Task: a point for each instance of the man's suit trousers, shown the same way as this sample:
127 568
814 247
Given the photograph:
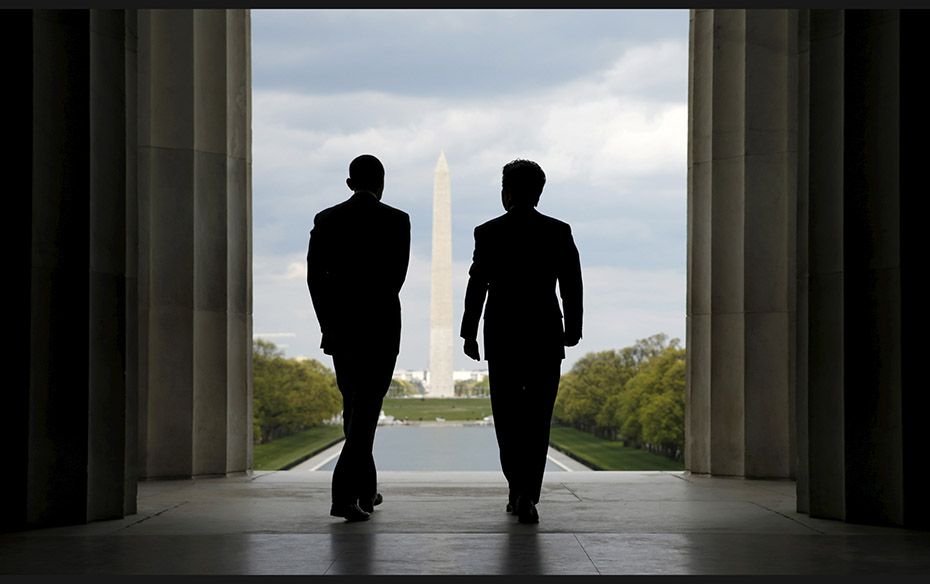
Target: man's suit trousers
523 394
363 381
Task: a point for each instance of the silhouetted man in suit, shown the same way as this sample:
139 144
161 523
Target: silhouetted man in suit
356 264
518 259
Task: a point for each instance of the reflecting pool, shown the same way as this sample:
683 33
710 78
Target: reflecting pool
437 447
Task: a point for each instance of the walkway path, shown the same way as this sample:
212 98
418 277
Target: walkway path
454 523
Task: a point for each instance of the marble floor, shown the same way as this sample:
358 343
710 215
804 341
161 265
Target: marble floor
454 523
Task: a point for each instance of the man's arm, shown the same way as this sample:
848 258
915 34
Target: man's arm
403 254
318 276
570 288
475 293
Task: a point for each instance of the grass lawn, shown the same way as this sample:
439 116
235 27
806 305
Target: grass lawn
285 452
604 454
428 409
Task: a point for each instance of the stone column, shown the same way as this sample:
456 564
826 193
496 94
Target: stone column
802 339
194 152
129 265
915 208
57 470
806 155
166 237
741 243
239 240
106 464
864 377
69 391
823 491
871 267
132 266
700 99
14 432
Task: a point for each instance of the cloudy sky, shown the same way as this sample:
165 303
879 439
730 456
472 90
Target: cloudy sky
597 97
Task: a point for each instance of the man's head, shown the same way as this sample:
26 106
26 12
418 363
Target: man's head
521 184
366 173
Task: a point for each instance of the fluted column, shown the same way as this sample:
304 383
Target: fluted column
239 240
700 122
14 432
741 243
129 256
915 289
70 396
57 471
194 233
131 431
806 162
106 464
872 277
823 491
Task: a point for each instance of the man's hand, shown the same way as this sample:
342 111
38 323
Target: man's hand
471 349
572 340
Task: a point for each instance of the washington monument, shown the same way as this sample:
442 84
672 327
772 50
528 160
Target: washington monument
440 335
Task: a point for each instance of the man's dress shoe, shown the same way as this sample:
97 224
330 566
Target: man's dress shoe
370 507
512 502
350 511
526 511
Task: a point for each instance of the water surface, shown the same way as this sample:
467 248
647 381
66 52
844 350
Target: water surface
439 447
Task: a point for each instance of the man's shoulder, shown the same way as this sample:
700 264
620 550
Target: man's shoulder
345 208
533 220
492 224
506 222
328 212
552 222
393 212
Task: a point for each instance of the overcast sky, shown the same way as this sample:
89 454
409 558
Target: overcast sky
597 97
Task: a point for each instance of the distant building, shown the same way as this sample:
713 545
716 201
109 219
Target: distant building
414 376
470 375
421 377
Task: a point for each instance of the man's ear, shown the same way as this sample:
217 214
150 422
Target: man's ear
506 199
349 184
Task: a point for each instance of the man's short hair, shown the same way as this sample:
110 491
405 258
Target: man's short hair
366 171
524 180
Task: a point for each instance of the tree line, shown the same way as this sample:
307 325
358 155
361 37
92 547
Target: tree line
472 388
404 388
635 394
289 395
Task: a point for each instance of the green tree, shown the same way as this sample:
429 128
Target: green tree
663 424
585 390
472 388
262 349
402 388
644 350
597 395
289 395
652 405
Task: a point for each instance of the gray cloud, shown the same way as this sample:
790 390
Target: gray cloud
449 53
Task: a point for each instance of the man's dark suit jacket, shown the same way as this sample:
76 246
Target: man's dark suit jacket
518 258
356 264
